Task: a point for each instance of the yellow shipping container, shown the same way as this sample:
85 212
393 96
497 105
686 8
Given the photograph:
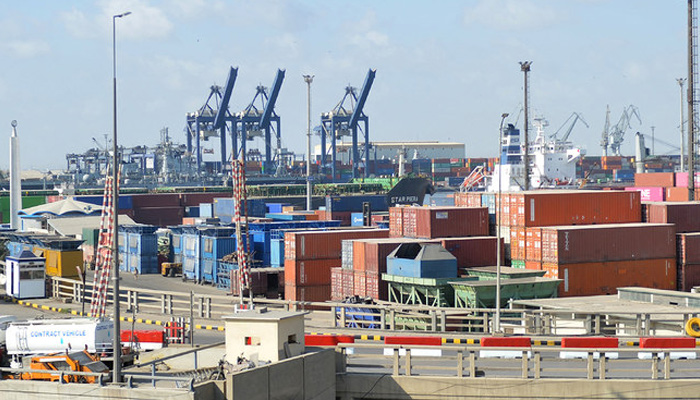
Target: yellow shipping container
61 263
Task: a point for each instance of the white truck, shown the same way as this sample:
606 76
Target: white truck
41 336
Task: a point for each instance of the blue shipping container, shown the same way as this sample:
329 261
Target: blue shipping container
125 202
277 252
206 210
356 219
354 203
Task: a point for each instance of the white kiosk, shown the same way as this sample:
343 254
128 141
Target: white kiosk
26 276
262 335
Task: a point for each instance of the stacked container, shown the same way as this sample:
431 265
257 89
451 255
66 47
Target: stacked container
215 243
138 249
438 222
309 257
688 251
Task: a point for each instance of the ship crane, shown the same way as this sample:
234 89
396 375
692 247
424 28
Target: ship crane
576 117
342 121
261 120
211 120
613 136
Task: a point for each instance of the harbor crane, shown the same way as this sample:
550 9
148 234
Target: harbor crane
261 120
613 136
576 117
212 120
343 120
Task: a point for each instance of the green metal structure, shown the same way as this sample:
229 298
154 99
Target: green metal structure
482 294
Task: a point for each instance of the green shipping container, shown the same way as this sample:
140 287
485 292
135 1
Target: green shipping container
27 202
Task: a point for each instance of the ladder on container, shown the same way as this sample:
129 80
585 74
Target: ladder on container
103 253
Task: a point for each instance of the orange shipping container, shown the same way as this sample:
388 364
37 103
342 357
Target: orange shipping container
588 279
533 244
574 207
651 179
359 283
309 272
307 293
536 265
677 194
312 245
396 221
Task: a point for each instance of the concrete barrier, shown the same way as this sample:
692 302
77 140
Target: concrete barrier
589 343
504 342
667 343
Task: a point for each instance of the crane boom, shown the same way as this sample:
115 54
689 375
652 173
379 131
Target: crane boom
357 112
223 107
270 106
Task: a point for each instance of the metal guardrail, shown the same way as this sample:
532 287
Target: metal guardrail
525 363
388 316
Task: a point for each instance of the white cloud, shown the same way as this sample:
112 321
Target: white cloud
145 22
511 14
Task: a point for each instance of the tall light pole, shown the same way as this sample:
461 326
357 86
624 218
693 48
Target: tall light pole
497 320
525 67
681 81
308 79
117 369
690 98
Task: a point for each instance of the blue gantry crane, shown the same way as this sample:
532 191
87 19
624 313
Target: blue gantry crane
344 120
212 120
262 121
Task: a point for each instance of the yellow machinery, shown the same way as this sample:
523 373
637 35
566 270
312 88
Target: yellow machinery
61 263
79 361
170 269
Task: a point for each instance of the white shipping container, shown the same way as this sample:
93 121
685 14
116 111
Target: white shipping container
52 336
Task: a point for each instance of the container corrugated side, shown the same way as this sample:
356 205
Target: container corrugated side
686 215
615 242
661 179
533 244
396 221
574 207
475 251
310 245
309 272
688 248
588 279
688 276
442 222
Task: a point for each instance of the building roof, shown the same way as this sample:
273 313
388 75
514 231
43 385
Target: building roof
63 207
73 226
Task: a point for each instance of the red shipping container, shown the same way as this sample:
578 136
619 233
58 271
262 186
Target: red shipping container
396 221
376 288
588 279
442 222
614 242
359 283
677 194
660 179
687 248
307 293
348 282
686 215
160 216
688 276
461 199
475 251
311 245
337 288
309 272
474 199
156 200
533 244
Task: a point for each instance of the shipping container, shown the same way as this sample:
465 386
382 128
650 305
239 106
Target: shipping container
613 242
533 244
318 293
660 179
396 221
649 193
533 265
359 283
309 272
311 245
376 287
682 179
159 215
603 278
688 248
337 288
685 215
441 222
370 254
688 277
573 207
353 203
475 251
676 194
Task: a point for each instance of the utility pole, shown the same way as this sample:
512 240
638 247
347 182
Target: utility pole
308 79
691 106
525 67
681 81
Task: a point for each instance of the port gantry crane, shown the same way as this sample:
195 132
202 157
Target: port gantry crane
262 121
212 120
576 117
613 136
342 121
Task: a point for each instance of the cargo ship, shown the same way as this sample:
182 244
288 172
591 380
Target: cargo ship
552 161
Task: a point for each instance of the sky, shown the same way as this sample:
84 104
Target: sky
446 70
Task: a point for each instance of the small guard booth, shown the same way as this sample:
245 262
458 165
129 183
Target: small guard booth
262 335
26 276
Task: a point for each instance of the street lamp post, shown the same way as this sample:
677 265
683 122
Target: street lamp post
497 320
308 79
116 376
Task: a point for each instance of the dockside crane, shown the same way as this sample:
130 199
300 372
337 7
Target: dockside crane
212 120
343 120
261 120
576 117
613 136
